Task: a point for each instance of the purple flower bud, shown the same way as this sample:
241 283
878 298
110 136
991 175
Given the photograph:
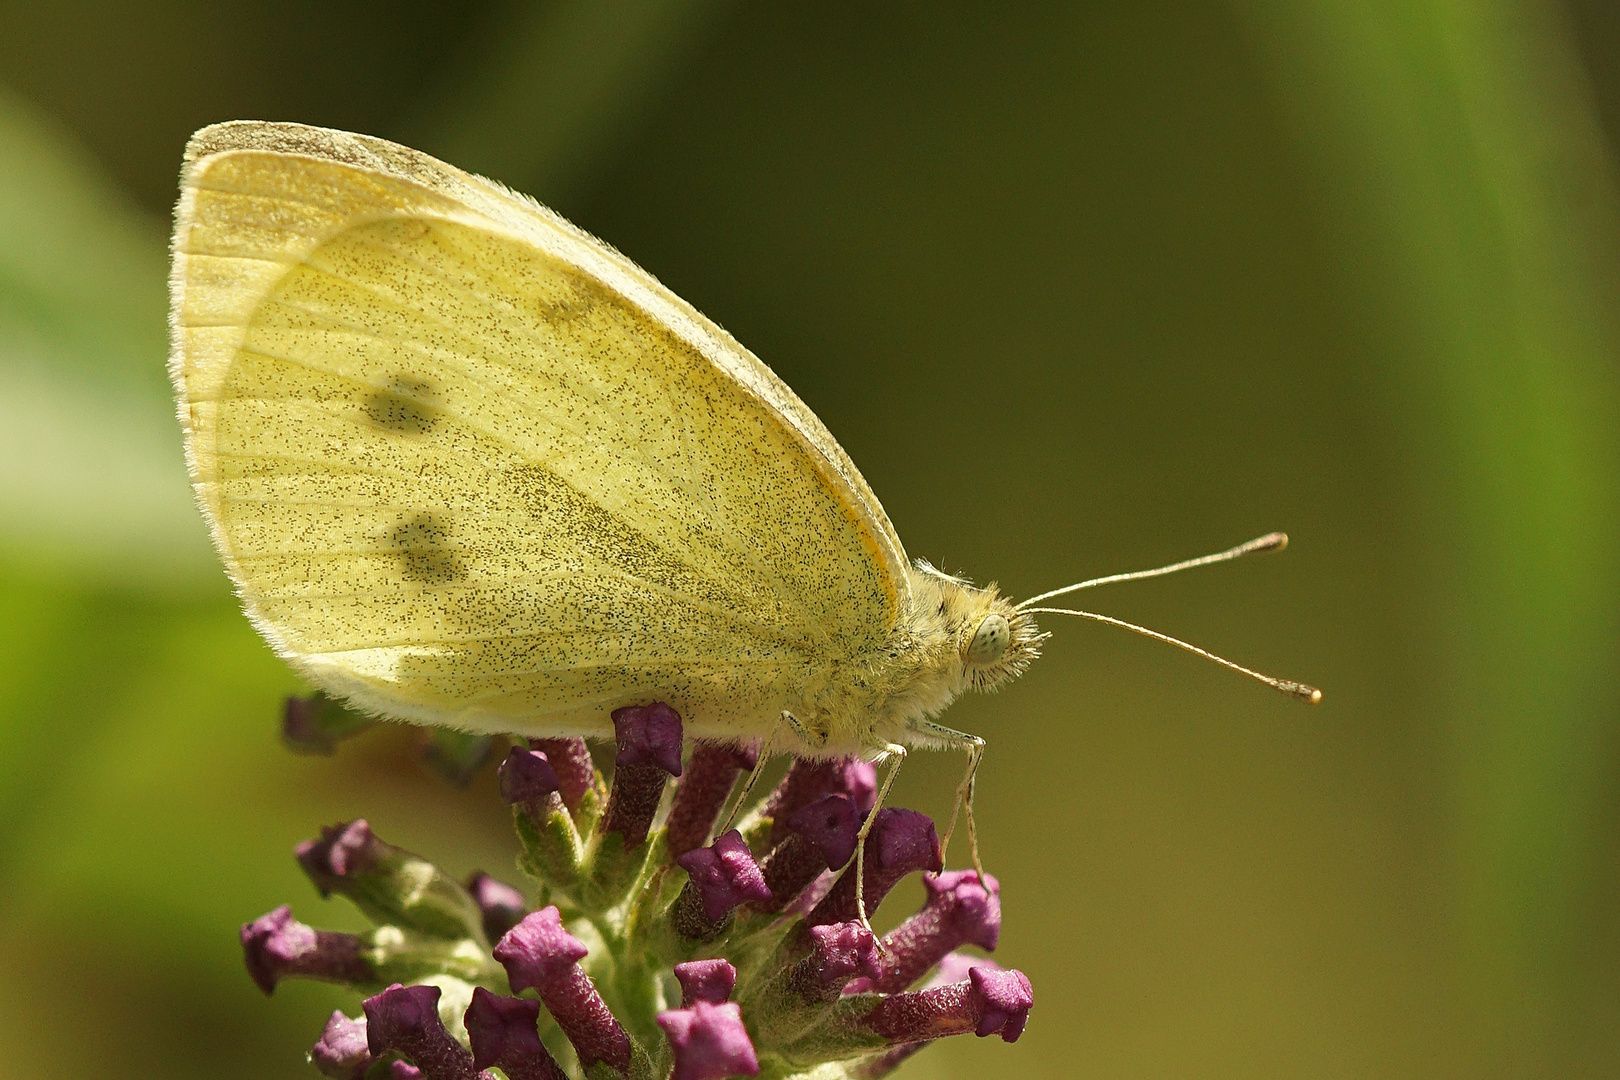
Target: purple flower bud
959 911
456 755
1006 998
342 852
705 980
539 953
875 1068
813 894
973 903
649 739
405 1020
342 1052
808 780
277 946
822 837
725 874
502 905
901 842
504 1032
832 825
633 802
858 780
988 1002
789 868
392 886
648 735
838 953
403 1070
316 724
571 758
954 967
709 1042
527 779
301 727
708 780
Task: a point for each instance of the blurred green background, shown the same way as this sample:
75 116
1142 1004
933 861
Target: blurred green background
1188 272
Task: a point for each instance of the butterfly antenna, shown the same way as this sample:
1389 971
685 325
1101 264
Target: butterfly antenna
1270 542
1293 689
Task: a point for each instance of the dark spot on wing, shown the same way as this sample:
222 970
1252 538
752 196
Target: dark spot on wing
581 297
404 408
423 544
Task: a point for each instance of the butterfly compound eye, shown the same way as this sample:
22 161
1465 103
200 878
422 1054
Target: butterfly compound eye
990 640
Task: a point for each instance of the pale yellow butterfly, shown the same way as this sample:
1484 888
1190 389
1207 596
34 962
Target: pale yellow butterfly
469 466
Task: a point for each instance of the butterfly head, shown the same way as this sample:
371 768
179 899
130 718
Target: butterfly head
994 641
999 643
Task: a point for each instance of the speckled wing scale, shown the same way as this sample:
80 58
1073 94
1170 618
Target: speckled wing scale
469 466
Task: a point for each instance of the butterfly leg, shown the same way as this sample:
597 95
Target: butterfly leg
898 753
753 775
974 748
806 736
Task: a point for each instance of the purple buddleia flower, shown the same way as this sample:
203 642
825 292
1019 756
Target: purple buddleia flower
808 780
538 950
277 946
504 1033
961 910
831 825
649 742
702 791
571 760
901 842
527 779
539 954
953 968
756 932
705 980
405 1020
342 853
648 735
709 1042
988 1002
502 906
391 885
316 724
723 876
822 837
839 952
342 1052
302 728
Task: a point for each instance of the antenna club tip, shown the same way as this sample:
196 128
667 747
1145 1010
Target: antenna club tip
1308 694
1277 541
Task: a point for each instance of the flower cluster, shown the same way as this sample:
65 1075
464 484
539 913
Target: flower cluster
650 949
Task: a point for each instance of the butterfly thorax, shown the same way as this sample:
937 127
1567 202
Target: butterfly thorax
951 637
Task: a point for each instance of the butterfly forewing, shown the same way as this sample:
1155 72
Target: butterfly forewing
467 474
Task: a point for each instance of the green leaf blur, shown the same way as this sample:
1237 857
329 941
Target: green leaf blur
1082 289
